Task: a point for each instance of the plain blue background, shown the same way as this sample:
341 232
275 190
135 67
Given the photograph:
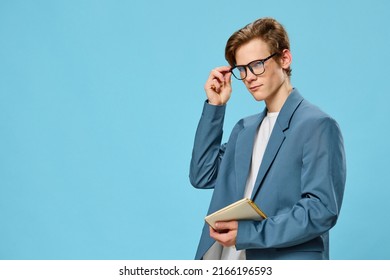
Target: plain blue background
99 102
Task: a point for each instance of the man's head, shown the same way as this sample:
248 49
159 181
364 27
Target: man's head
260 56
268 30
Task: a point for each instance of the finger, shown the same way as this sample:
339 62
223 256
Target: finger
217 235
213 233
228 78
227 239
214 85
223 69
218 85
219 73
230 225
216 76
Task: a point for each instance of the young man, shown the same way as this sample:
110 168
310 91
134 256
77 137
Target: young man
289 159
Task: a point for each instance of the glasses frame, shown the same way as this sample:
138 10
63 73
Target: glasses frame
262 61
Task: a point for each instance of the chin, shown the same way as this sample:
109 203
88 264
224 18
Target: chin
258 99
258 96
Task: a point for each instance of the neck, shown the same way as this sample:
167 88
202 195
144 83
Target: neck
276 101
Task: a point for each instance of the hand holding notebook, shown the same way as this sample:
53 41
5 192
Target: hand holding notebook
244 209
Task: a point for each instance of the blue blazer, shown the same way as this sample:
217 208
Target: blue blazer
299 186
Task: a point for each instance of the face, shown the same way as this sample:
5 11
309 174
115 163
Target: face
271 86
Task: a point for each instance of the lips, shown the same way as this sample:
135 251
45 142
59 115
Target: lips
255 87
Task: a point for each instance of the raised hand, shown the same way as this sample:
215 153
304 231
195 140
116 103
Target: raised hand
218 86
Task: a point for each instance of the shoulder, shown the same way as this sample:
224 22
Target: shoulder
311 114
310 120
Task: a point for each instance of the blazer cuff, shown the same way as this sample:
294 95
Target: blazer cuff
213 111
245 227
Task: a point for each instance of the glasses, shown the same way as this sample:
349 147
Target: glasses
256 67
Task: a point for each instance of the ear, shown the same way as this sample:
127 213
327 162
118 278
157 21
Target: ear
285 59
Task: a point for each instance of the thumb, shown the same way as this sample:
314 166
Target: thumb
228 78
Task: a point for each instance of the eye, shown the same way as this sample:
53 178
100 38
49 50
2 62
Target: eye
241 69
257 64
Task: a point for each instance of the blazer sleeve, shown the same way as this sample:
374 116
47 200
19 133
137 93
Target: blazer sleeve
207 151
323 178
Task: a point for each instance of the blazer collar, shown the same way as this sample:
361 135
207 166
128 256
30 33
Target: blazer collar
288 109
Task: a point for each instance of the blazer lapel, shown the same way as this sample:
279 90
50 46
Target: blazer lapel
277 137
273 146
244 149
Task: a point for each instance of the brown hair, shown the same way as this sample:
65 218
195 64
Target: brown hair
266 29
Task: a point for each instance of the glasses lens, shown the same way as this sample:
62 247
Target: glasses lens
239 73
257 67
